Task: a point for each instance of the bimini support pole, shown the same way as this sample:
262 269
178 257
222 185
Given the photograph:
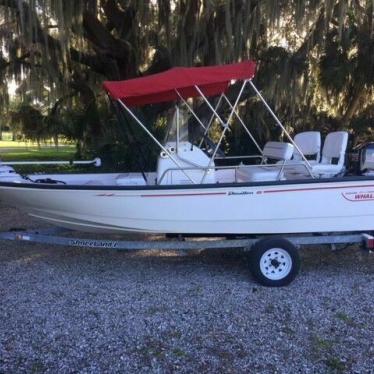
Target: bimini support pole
210 121
226 125
154 139
190 109
178 119
215 113
279 123
243 124
206 129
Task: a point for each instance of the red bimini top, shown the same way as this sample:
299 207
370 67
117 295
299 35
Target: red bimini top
161 87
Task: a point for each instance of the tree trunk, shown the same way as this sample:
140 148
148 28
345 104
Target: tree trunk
94 131
55 140
353 105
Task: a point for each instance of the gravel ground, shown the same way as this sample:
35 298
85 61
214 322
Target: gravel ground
79 310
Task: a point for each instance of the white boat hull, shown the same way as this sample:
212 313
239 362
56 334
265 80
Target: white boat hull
338 206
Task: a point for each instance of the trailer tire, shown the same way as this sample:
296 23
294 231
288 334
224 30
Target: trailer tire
274 262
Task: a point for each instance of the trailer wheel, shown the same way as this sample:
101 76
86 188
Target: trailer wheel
274 262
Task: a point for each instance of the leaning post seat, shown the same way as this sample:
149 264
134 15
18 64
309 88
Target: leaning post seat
192 160
333 155
309 143
268 172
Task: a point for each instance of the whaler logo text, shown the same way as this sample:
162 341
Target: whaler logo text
359 196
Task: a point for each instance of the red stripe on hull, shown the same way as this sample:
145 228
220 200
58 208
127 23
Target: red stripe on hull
316 189
187 194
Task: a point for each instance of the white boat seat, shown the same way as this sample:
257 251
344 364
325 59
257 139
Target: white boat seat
309 143
326 170
333 150
332 160
130 179
94 182
259 174
267 172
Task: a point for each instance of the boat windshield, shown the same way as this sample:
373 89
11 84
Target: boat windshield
177 117
179 121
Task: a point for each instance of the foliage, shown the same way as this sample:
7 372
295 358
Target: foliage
316 62
29 121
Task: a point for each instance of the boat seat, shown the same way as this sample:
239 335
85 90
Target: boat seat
94 182
267 172
309 143
332 160
130 179
333 150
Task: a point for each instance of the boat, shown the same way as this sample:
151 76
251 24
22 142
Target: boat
280 190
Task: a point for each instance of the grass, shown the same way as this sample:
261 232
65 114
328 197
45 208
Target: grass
345 318
17 144
179 352
325 351
322 344
335 365
20 151
17 151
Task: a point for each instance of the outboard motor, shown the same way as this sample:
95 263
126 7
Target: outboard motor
366 157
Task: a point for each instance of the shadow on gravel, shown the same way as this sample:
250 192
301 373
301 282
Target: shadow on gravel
234 261
344 258
96 261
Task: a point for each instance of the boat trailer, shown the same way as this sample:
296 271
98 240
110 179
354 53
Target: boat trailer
273 260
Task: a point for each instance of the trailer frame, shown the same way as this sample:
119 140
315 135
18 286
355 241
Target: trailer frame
274 260
55 236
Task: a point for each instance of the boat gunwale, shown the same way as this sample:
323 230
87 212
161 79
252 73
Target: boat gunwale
93 187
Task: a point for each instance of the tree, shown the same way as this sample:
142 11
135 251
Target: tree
315 57
29 122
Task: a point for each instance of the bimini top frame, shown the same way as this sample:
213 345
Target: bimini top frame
179 84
